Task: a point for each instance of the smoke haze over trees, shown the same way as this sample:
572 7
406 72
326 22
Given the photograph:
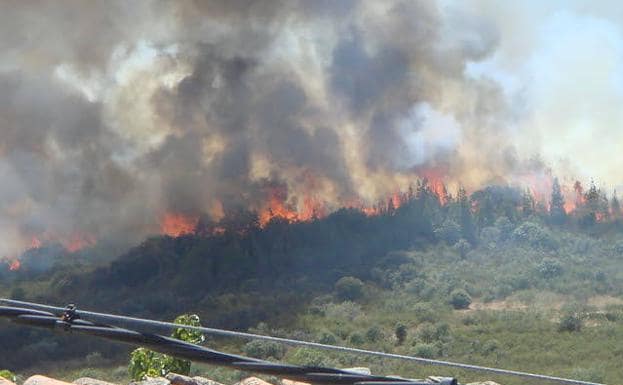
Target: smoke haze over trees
117 115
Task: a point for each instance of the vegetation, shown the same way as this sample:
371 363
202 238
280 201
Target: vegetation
489 279
146 363
460 299
7 374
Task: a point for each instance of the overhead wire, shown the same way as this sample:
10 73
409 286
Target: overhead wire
70 321
140 322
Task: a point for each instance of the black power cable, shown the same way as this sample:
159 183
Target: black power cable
133 323
70 321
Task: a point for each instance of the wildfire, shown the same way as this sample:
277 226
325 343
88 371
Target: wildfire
440 190
176 224
35 243
15 265
78 242
72 242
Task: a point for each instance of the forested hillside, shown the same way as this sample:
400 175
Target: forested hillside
491 278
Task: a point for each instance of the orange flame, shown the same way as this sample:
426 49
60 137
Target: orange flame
78 242
15 265
35 243
176 224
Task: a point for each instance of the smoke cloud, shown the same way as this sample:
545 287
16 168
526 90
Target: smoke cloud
114 113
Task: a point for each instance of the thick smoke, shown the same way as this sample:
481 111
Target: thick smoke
115 113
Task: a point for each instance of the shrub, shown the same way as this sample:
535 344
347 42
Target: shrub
327 338
349 288
505 226
549 268
430 333
592 374
459 299
146 363
426 333
94 359
570 322
345 311
424 312
356 339
374 334
489 347
462 247
534 235
8 375
264 349
310 357
425 351
401 333
490 236
449 231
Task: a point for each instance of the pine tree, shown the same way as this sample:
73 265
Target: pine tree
615 207
591 208
527 204
467 223
557 211
486 211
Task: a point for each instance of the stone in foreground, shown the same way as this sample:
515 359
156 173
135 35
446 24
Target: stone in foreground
42 380
4 381
178 379
91 381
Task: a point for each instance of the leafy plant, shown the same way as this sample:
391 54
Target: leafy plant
349 288
8 375
460 299
264 349
570 322
401 332
146 363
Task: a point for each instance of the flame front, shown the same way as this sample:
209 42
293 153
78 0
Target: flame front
15 265
176 224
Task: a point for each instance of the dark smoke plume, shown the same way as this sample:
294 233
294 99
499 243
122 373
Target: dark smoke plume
114 113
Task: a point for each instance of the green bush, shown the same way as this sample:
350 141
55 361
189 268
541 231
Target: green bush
534 235
310 357
374 334
425 351
424 312
349 288
356 339
570 322
7 374
549 268
146 363
264 349
588 374
460 299
401 333
449 231
327 338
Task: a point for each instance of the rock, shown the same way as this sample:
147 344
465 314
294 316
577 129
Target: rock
4 381
91 381
42 380
290 382
178 379
253 381
205 381
152 381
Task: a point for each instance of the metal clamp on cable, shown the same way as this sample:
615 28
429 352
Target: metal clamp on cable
69 315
